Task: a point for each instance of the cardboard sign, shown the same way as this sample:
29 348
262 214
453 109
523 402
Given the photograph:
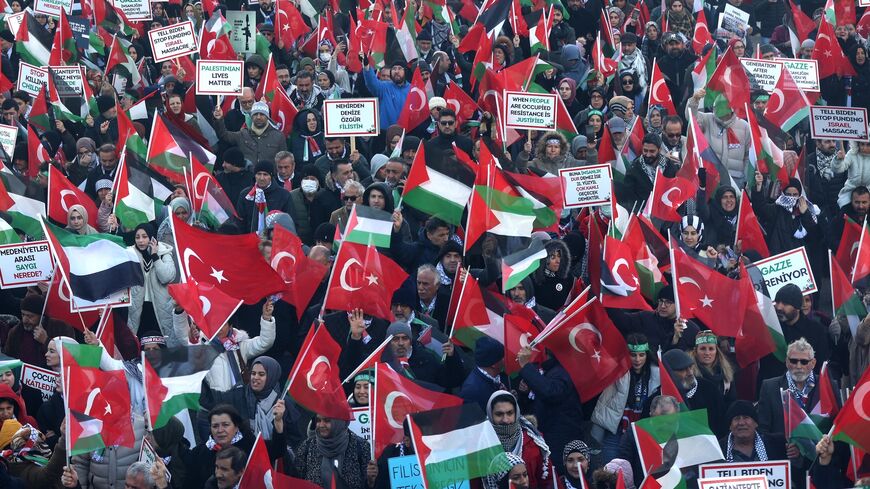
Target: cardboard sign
530 111
585 185
8 136
763 74
219 77
361 424
147 453
31 79
805 72
775 471
118 299
40 379
791 267
351 117
405 472
734 20
752 482
172 41
13 22
841 123
244 30
68 80
135 10
24 264
79 28
52 7
864 3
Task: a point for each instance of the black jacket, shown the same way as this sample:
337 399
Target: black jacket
277 199
770 413
815 334
658 330
637 186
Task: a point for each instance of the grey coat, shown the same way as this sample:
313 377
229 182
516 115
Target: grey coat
157 280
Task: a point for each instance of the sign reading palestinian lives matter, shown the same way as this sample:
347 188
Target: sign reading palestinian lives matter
805 72
40 379
841 123
69 81
24 264
135 10
243 29
52 7
791 267
172 41
530 111
351 117
585 185
219 77
361 424
734 20
750 482
763 74
31 79
777 472
8 136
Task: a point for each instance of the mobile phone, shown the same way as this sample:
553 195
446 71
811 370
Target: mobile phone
590 132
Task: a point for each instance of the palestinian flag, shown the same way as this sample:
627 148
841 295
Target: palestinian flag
212 205
38 116
846 301
94 265
651 255
33 42
406 31
455 444
10 364
84 434
828 405
695 440
539 33
24 211
139 196
110 18
64 50
175 382
369 226
799 428
517 266
545 194
438 187
7 234
760 333
71 105
731 82
169 150
120 58
475 312
703 71
851 424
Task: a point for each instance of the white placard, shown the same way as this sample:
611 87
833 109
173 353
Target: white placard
751 482
361 424
172 41
864 3
791 267
120 298
805 73
219 77
40 379
351 117
734 20
585 185
13 21
69 81
841 123
530 111
244 28
763 74
52 7
8 136
776 471
135 10
24 264
31 78
147 453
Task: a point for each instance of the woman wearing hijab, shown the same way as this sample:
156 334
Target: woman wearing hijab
169 443
333 451
180 206
515 476
150 303
307 142
568 92
722 219
575 456
692 238
77 220
655 119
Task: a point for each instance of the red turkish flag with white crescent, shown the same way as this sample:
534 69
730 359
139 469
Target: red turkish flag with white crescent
62 195
314 381
659 93
416 109
363 279
301 274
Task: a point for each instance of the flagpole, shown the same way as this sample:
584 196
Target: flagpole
458 303
184 272
546 334
122 161
830 267
674 274
145 389
373 397
65 380
377 350
740 211
860 245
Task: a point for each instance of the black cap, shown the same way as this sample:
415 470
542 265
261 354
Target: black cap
677 359
628 37
741 408
790 294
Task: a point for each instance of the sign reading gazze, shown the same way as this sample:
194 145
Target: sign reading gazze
531 111
791 267
219 77
351 117
841 123
172 41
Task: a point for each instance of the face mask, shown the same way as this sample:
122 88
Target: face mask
325 57
309 186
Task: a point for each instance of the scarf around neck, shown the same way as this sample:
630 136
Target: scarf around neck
760 451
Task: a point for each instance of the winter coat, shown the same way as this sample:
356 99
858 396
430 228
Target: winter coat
733 155
857 168
352 472
277 199
478 388
255 148
659 330
611 403
391 97
551 290
33 475
300 142
157 282
781 225
200 460
557 405
719 227
637 185
111 470
821 191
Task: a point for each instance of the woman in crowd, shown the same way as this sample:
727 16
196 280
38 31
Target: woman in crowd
77 220
226 427
713 365
150 304
307 139
362 384
333 451
576 460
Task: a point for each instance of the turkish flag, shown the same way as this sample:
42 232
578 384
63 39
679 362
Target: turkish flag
301 275
233 263
283 111
701 36
786 101
591 349
396 396
103 395
314 381
749 232
849 241
460 102
829 54
206 304
289 24
659 93
731 80
36 154
518 332
416 108
668 195
57 305
620 283
62 195
363 279
259 473
853 422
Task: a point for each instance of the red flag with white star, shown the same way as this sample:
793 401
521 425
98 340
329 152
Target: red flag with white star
829 54
363 279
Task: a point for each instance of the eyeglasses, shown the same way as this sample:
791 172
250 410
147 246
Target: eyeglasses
350 198
665 302
446 123
627 82
795 361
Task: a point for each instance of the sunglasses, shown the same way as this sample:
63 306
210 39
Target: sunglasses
446 123
795 361
349 198
627 82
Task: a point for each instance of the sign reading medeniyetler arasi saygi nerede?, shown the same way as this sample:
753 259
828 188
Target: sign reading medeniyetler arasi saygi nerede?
530 111
219 77
351 117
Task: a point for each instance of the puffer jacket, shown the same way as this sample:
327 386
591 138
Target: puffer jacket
255 148
733 155
111 469
157 282
857 166
611 403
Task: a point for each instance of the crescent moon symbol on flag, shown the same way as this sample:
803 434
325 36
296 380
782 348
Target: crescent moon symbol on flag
388 408
312 372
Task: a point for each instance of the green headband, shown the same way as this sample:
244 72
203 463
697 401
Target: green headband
364 376
706 339
643 347
594 112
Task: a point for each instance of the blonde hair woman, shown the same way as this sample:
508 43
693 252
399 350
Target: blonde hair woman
713 365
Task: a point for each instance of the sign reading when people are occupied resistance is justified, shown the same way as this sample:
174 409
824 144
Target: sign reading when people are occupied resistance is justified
25 264
351 117
172 41
530 111
585 185
791 267
776 471
219 77
840 123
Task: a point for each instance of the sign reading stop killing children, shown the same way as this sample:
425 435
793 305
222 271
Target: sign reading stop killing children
172 41
530 111
791 267
840 123
25 264
219 77
351 117
586 185
31 79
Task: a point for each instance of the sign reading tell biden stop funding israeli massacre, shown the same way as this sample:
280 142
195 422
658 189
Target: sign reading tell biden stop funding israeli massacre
219 77
351 117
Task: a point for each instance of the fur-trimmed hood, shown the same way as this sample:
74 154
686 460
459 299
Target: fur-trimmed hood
564 265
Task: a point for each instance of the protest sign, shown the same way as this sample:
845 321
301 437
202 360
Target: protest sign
52 7
791 267
585 185
8 136
763 74
864 3
147 453
531 111
361 424
840 123
69 81
120 298
751 482
40 379
244 28
79 28
351 117
31 79
219 77
172 41
13 22
24 264
805 72
135 10
734 20
405 473
775 471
